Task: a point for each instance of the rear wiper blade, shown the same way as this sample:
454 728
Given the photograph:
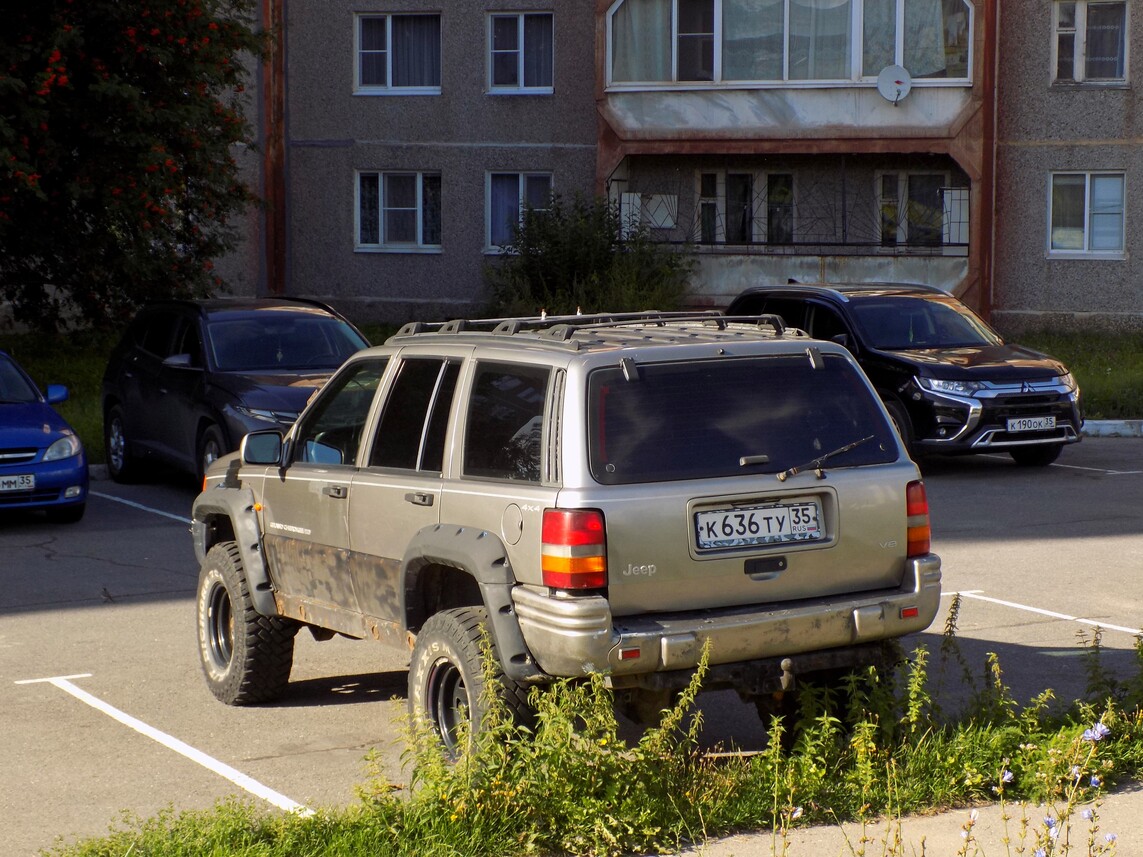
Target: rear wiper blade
816 464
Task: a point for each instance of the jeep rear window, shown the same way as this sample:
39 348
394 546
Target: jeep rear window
731 417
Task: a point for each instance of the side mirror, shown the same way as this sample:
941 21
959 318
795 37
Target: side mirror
56 393
179 361
262 447
841 339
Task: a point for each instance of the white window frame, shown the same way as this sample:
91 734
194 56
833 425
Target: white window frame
902 177
521 201
382 245
521 51
856 54
388 88
760 218
1079 47
1086 251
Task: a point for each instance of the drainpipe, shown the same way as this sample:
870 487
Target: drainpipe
273 141
990 69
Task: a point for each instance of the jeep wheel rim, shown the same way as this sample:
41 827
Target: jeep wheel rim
220 627
448 702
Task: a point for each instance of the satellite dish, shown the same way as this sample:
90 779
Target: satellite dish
894 83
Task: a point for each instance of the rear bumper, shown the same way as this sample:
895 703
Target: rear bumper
575 637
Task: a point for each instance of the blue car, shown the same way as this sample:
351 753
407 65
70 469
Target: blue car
42 461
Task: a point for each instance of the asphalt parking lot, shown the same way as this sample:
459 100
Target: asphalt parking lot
103 709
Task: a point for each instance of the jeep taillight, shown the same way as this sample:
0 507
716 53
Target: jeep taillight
574 550
917 508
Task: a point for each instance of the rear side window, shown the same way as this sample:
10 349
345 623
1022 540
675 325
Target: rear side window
411 433
505 422
729 417
156 333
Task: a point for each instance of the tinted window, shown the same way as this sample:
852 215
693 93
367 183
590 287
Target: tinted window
904 322
156 332
412 429
14 387
695 420
331 432
505 422
278 339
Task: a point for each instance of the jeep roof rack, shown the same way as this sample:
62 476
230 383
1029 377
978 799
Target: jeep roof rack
563 328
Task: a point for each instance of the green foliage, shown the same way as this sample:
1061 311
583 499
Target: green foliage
571 257
1108 367
865 748
119 120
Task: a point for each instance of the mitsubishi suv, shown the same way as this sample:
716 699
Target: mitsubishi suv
591 494
948 380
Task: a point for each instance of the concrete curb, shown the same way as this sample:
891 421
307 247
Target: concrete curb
1113 428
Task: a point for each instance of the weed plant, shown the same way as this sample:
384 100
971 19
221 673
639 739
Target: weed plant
875 746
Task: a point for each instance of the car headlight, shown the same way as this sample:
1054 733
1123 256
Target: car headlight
1068 381
65 447
955 388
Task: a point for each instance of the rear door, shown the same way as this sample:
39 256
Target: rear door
397 491
140 377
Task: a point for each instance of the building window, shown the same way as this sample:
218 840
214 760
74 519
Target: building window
745 208
1090 44
929 38
1087 213
520 52
780 208
912 210
772 41
399 54
509 195
399 211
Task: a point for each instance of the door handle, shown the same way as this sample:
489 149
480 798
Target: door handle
419 498
339 492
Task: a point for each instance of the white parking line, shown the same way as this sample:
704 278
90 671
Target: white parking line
223 770
135 505
1052 614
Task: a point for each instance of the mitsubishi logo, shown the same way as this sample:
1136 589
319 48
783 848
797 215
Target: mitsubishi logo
1025 387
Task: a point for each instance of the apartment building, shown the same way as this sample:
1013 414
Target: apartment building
403 138
987 151
1069 250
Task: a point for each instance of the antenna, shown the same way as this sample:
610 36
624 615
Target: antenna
894 83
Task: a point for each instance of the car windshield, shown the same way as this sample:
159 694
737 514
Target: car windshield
733 417
276 341
14 387
899 322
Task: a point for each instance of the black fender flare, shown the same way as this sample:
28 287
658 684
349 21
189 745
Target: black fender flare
481 554
237 506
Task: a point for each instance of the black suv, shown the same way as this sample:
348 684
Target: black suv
948 380
189 378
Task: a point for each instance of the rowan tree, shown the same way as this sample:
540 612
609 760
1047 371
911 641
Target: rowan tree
120 121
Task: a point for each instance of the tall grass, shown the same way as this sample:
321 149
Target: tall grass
873 746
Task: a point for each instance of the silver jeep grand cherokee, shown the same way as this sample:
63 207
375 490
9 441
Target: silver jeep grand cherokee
597 493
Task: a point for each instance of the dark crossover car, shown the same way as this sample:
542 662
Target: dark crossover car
190 378
948 380
42 462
